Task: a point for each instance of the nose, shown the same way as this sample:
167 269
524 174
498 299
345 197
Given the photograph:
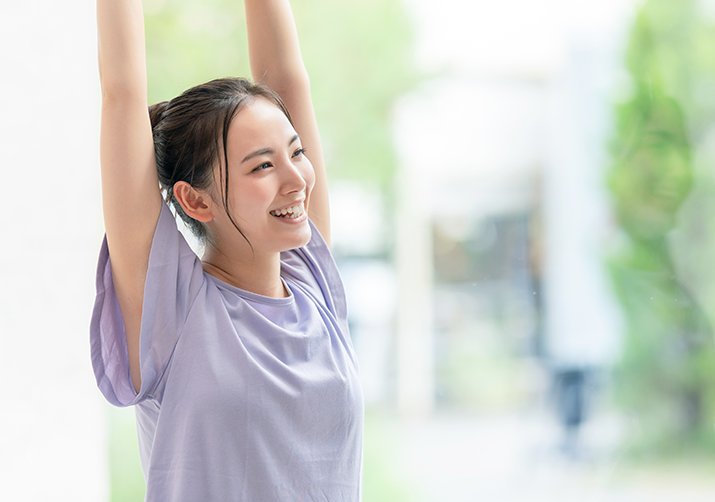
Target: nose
292 179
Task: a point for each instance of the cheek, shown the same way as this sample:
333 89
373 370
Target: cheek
246 201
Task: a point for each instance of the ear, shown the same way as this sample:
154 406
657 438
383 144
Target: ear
196 204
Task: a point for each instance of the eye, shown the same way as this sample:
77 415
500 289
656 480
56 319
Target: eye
299 152
262 167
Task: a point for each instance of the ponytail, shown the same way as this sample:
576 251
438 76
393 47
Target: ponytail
156 113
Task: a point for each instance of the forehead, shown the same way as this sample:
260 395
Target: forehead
258 124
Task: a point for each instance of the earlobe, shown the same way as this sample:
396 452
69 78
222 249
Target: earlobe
195 204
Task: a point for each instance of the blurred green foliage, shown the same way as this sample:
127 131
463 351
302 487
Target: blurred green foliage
384 478
126 478
661 181
358 55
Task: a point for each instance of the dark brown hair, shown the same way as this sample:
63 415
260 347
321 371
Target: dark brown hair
190 134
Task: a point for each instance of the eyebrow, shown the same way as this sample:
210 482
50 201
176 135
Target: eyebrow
268 151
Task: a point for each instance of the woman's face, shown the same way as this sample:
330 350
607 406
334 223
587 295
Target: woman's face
270 180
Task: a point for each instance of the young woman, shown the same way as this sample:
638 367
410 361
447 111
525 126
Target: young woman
239 363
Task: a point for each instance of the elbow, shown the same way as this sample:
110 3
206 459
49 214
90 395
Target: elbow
121 95
285 79
116 86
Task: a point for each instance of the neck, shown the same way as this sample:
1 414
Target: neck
258 274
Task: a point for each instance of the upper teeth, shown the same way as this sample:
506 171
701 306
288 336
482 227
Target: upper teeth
289 212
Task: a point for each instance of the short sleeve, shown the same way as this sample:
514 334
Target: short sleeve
174 280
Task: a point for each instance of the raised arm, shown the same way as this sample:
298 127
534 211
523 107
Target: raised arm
276 61
130 187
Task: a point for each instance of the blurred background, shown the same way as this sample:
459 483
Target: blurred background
523 195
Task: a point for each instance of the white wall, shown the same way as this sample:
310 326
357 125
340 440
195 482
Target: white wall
52 428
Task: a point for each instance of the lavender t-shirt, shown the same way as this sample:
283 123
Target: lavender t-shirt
243 397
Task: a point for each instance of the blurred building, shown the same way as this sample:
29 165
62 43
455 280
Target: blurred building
502 214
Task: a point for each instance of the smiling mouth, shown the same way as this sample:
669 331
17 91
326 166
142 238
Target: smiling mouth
289 212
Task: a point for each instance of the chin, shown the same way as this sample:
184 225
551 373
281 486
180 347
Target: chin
300 238
307 233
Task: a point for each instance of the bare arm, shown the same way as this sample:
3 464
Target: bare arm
130 193
276 60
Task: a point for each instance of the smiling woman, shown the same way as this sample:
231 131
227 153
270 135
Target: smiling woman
240 362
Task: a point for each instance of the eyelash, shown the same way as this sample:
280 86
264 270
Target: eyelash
266 165
263 166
